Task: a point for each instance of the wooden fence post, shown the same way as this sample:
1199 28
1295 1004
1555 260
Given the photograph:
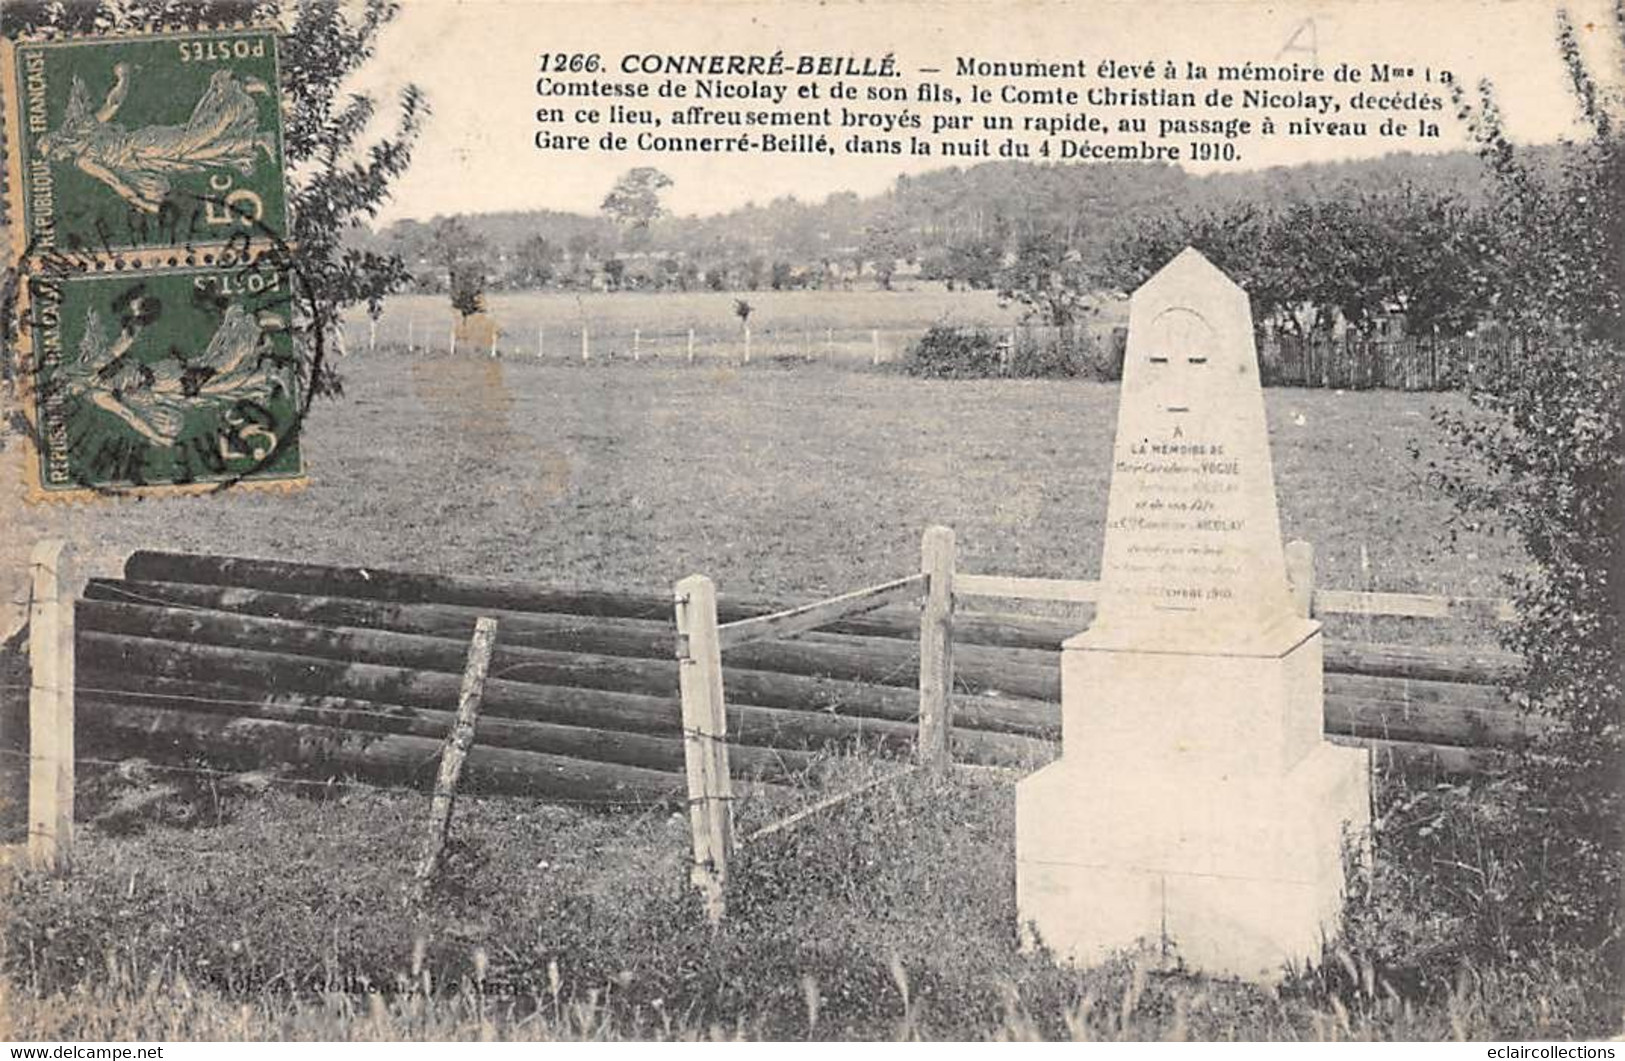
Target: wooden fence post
1300 573
458 743
586 351
637 344
705 734
541 335
50 707
411 334
874 340
747 344
372 333
691 346
937 650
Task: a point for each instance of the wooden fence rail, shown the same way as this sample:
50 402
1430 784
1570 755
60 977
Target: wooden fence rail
1322 601
353 671
700 641
1072 591
793 621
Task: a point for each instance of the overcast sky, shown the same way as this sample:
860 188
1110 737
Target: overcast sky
476 60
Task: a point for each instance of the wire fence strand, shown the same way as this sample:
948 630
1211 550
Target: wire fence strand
331 782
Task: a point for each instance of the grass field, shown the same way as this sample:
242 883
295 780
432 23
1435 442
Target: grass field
772 480
284 916
893 917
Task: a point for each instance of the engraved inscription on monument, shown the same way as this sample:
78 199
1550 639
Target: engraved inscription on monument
1192 538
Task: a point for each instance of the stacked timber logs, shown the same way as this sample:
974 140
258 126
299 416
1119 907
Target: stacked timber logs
355 670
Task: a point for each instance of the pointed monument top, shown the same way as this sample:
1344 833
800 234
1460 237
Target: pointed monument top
1193 544
1191 277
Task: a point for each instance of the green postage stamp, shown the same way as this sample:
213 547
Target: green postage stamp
146 142
179 378
148 214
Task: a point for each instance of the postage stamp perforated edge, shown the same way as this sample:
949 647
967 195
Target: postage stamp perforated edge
11 149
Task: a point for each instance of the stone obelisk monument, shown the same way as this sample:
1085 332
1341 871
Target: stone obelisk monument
1197 806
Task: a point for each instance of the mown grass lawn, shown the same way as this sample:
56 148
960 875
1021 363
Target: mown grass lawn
771 479
223 915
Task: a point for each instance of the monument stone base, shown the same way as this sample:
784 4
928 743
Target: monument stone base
1191 823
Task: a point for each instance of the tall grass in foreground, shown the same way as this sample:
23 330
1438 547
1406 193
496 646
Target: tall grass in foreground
1144 1009
891 916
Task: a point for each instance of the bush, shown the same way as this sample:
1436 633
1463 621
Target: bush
1541 456
954 353
1044 358
946 352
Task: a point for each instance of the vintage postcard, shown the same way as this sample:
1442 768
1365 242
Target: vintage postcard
908 520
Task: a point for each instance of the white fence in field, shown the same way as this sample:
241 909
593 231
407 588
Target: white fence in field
596 341
584 342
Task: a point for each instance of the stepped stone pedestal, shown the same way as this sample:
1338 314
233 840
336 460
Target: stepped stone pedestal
1197 807
1216 835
